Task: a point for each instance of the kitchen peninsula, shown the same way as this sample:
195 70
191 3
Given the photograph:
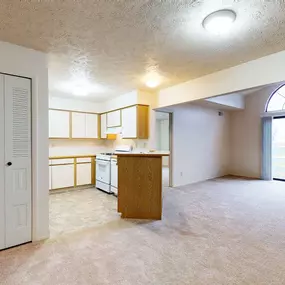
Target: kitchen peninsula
140 185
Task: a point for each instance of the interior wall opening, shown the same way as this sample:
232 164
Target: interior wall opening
163 143
278 148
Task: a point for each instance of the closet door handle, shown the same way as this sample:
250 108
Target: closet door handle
9 163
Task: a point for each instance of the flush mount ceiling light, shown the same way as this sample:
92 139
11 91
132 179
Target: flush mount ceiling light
219 22
152 83
81 87
152 80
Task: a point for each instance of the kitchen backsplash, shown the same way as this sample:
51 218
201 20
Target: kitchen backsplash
80 147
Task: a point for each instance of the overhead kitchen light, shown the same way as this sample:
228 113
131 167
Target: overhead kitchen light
219 22
152 79
81 87
152 83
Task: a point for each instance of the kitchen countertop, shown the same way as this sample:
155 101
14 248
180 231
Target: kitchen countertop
72 156
144 154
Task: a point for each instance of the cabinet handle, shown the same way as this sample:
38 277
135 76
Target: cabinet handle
9 163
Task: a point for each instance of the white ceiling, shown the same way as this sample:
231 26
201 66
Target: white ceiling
116 43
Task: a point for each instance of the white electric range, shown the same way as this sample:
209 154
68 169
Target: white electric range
107 170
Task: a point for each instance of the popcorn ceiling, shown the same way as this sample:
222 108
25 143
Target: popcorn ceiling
115 43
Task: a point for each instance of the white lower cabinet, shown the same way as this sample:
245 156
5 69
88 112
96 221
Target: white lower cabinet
83 174
49 180
62 176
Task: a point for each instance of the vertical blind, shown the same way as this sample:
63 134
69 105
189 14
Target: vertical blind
266 171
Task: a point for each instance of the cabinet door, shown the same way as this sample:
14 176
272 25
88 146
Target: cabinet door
114 119
62 176
91 126
83 174
78 125
129 122
103 126
58 124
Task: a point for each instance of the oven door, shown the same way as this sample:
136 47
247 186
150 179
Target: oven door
103 173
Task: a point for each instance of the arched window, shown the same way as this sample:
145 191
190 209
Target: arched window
276 101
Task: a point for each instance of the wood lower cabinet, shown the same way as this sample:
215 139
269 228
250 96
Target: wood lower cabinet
140 186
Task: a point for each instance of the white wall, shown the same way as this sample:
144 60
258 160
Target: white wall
29 63
75 104
245 135
236 101
78 147
121 101
162 138
200 144
263 71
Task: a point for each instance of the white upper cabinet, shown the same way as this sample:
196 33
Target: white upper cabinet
103 126
129 122
84 125
78 125
58 124
114 119
92 126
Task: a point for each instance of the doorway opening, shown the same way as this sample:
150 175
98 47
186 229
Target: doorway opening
273 138
278 148
164 144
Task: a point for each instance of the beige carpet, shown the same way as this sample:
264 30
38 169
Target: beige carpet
218 232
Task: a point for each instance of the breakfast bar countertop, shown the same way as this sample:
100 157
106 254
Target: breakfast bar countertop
144 154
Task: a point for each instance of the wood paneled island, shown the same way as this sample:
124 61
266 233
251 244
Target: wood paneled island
140 185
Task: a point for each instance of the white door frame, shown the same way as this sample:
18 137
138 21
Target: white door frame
170 145
267 169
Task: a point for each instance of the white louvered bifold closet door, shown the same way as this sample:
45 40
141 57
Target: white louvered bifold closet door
2 165
17 109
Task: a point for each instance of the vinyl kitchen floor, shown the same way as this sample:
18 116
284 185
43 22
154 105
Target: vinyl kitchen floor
80 209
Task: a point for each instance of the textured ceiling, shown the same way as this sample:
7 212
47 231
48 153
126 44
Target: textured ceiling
115 42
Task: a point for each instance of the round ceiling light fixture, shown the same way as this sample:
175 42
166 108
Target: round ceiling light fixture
219 22
152 83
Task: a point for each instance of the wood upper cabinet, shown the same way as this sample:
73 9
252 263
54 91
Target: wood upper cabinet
135 122
84 125
59 124
114 119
